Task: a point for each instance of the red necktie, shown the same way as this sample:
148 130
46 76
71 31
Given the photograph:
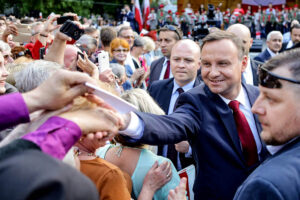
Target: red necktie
245 134
167 73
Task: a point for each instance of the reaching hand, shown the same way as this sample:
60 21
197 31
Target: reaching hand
179 192
57 91
88 66
182 147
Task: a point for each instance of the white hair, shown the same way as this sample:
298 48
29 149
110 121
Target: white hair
34 74
117 69
274 33
87 41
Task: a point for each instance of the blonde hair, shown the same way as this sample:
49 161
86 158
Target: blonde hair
149 44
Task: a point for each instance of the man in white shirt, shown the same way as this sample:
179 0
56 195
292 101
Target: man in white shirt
160 68
185 62
216 131
274 44
295 37
278 109
250 74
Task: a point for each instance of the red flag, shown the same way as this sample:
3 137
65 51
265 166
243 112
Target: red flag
146 5
138 14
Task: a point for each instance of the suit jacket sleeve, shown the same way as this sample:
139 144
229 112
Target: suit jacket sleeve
173 128
258 189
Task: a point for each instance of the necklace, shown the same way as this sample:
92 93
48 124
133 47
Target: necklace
79 152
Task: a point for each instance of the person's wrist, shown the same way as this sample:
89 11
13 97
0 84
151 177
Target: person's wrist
126 120
32 101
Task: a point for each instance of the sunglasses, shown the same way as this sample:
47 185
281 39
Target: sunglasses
172 28
128 37
270 80
26 53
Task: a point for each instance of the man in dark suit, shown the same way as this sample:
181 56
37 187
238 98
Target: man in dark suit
216 119
278 109
166 92
160 68
250 74
295 38
274 44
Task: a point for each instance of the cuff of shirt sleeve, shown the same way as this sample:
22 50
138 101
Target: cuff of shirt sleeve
56 136
189 153
135 128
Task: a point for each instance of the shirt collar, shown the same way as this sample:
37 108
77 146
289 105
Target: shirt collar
271 52
187 87
240 98
165 61
274 149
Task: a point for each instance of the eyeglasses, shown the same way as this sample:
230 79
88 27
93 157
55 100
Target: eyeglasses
128 37
173 28
270 80
121 50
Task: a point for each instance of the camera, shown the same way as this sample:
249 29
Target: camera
71 29
63 19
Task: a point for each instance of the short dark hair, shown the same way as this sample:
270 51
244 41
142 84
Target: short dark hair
107 35
297 26
289 59
170 28
222 35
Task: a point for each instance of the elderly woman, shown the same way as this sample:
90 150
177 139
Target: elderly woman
119 49
140 158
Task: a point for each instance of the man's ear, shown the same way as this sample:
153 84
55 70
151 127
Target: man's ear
244 63
251 42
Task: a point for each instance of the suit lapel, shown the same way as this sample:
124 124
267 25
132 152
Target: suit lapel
167 93
254 72
227 119
252 95
158 68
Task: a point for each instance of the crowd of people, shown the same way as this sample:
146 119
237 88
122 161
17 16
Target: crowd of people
206 106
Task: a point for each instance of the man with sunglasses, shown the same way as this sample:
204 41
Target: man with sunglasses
167 38
278 109
215 118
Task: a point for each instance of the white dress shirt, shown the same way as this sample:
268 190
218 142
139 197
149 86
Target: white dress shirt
175 93
245 107
271 52
163 70
135 128
247 74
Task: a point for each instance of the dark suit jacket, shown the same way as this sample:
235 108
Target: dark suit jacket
276 178
161 92
207 122
263 56
28 173
156 67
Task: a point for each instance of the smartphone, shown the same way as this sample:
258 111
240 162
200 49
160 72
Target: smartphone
103 60
71 29
82 57
63 19
42 52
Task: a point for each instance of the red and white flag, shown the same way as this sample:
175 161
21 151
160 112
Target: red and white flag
138 14
146 6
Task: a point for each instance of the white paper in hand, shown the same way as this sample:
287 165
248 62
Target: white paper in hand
116 102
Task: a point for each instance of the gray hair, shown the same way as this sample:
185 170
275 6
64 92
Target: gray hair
117 69
86 41
34 74
142 100
4 47
274 33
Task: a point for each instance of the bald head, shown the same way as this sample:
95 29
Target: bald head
70 57
185 61
187 44
243 33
